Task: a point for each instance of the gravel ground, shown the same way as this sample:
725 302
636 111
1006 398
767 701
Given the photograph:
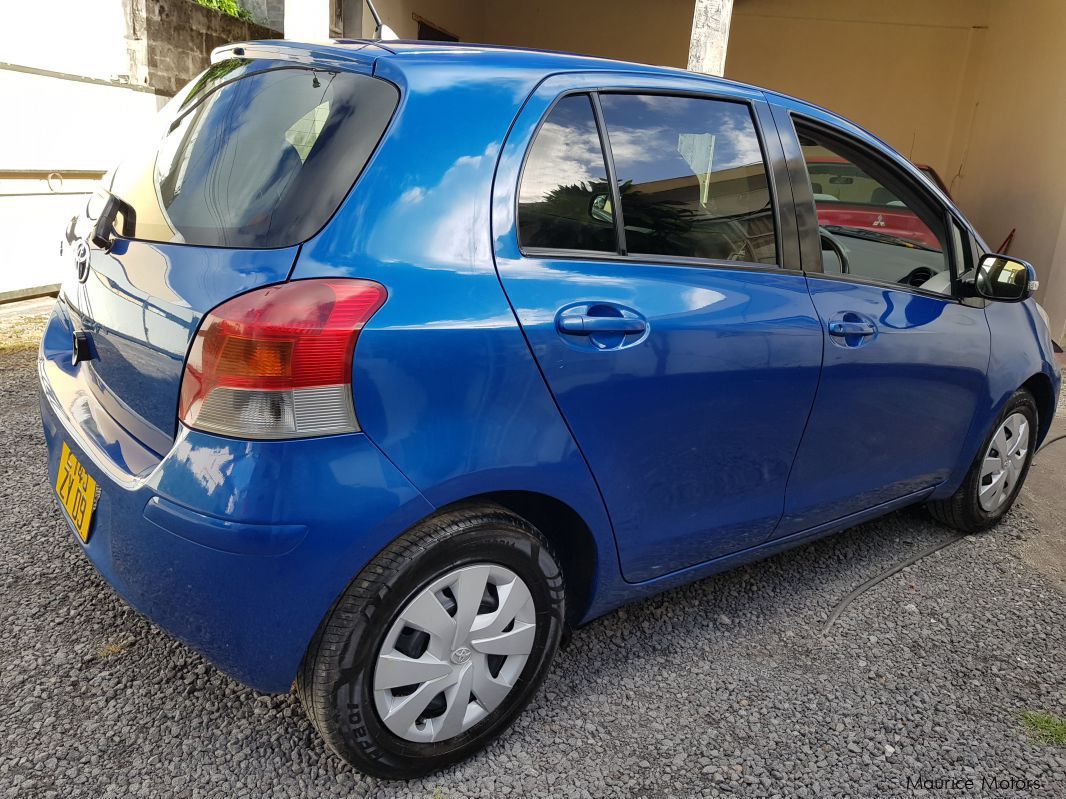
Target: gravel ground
726 687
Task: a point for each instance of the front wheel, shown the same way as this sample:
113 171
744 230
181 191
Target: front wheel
996 476
437 645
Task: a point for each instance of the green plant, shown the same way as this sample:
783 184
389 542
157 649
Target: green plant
231 7
1044 727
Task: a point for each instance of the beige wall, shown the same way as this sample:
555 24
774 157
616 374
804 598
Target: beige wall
462 18
635 30
976 88
1011 157
896 68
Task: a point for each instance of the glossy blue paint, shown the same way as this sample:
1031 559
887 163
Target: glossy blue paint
239 570
733 425
1021 351
670 419
226 535
141 304
893 408
443 381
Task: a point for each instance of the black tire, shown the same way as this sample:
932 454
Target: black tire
335 679
963 509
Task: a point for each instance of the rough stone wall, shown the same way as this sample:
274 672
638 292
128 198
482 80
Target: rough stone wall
136 43
270 13
180 36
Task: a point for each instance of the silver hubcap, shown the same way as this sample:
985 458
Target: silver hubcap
1003 462
454 653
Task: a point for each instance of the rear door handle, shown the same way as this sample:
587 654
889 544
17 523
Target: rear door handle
585 325
839 328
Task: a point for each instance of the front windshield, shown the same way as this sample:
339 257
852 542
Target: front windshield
835 180
852 202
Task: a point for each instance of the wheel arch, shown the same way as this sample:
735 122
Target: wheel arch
568 533
1039 385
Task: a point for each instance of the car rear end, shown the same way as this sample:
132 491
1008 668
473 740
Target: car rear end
197 403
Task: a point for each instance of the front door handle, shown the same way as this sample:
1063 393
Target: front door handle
585 325
842 328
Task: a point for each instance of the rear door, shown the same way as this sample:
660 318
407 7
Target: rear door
905 359
249 160
656 283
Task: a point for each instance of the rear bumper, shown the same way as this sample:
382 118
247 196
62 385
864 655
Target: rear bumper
237 548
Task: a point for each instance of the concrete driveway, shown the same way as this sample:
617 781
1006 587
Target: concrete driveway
727 687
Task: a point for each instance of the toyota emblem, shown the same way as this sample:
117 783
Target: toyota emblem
82 256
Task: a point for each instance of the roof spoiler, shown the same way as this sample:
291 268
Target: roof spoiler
300 52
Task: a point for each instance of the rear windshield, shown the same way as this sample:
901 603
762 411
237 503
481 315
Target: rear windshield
253 157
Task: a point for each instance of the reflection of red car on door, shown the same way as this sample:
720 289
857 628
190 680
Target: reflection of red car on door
845 196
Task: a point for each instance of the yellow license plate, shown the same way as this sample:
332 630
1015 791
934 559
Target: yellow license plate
77 492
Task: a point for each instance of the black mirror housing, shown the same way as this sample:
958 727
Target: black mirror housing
1005 279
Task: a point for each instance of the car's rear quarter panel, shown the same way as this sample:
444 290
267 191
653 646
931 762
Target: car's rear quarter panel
253 540
444 382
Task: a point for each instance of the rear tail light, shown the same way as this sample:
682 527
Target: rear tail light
277 362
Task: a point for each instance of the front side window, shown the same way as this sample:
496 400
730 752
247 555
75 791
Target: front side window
254 158
692 178
564 200
871 223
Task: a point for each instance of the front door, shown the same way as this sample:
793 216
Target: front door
905 360
683 357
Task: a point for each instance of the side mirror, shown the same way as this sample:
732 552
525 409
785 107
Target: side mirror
1003 278
600 208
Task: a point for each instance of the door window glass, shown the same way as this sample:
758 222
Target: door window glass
692 178
564 200
869 226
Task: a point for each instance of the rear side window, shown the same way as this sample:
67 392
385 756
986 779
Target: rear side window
261 161
564 201
692 177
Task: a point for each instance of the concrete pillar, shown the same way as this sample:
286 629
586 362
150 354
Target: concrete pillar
710 35
307 20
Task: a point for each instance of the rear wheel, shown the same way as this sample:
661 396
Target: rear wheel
437 645
997 474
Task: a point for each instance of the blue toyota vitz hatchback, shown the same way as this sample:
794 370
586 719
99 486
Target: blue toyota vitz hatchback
382 364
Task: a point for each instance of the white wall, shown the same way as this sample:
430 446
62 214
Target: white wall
74 128
61 126
57 124
82 37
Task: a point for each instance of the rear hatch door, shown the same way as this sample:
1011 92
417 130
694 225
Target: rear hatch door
248 161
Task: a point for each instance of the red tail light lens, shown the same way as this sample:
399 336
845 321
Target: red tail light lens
277 362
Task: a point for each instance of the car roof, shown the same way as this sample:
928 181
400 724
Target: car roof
418 54
415 54
408 54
